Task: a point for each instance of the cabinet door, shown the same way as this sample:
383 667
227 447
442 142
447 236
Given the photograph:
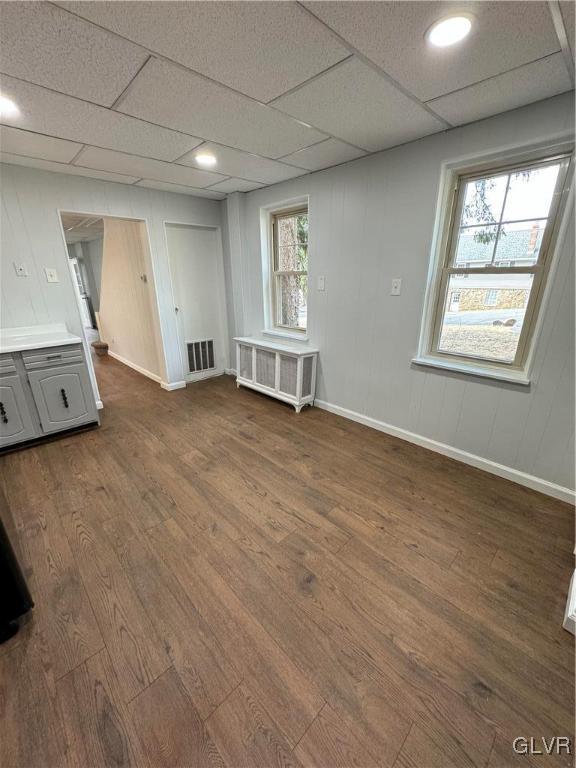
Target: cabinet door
63 397
16 422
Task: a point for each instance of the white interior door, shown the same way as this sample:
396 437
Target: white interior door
198 283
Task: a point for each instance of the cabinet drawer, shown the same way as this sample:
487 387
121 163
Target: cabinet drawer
63 397
7 364
16 422
40 358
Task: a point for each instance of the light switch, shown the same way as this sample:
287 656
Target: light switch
396 286
321 283
51 275
20 270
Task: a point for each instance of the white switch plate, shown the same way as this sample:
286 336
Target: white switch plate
321 283
51 275
396 286
20 270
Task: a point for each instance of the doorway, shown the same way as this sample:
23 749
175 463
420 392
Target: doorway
197 270
109 259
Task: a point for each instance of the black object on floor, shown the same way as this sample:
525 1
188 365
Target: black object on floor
15 598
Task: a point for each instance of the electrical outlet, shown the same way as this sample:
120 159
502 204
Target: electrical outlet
321 283
51 275
20 270
396 286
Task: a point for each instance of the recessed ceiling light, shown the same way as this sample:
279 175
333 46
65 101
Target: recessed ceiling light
8 108
206 159
449 31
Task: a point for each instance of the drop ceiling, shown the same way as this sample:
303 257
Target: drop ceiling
130 91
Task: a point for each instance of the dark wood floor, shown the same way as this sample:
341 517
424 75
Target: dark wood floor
222 582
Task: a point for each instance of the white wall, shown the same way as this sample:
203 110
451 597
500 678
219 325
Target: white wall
372 220
31 234
92 251
128 317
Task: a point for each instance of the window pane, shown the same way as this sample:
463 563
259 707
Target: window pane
483 315
483 200
292 258
302 228
519 244
530 193
475 246
291 295
292 229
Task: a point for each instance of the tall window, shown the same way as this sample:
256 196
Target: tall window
495 261
290 269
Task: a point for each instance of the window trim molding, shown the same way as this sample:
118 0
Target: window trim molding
447 206
267 214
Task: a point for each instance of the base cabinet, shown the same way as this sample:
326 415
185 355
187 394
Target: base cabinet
16 422
63 397
43 391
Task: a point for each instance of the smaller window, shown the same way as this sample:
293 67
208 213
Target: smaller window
289 284
491 298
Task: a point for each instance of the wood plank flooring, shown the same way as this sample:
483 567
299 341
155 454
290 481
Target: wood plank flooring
222 582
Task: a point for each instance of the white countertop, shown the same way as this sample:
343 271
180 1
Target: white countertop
296 348
36 337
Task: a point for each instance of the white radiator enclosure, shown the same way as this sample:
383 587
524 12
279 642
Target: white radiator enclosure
282 371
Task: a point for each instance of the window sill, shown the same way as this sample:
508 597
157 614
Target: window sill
286 335
511 376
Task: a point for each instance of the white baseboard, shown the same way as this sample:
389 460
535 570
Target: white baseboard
230 371
171 386
138 368
99 405
522 478
570 615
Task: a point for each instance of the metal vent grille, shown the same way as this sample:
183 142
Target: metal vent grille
306 376
200 355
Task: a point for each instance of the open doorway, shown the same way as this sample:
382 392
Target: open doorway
110 264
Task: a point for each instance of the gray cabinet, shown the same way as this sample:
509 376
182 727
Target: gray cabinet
63 396
16 422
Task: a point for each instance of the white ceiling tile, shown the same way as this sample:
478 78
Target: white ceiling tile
180 189
323 155
19 142
392 34
145 167
46 45
235 185
169 95
356 104
260 49
233 162
533 82
71 170
55 114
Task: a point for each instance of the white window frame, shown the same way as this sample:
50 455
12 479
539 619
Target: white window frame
448 219
267 215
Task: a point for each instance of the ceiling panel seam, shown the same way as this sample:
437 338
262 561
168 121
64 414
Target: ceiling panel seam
379 71
562 35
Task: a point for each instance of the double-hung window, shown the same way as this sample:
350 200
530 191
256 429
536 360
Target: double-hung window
289 283
494 263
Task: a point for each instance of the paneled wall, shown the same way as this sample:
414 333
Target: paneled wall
372 220
31 235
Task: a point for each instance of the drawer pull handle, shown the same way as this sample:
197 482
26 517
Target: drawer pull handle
64 398
3 414
53 357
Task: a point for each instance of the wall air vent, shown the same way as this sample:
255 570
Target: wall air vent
200 355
